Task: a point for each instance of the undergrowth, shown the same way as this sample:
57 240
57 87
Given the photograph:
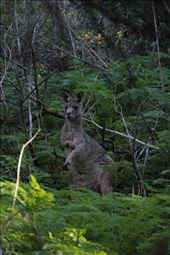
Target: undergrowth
46 221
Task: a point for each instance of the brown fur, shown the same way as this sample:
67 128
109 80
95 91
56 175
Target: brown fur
86 160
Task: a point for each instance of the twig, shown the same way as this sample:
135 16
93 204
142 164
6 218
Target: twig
25 215
146 157
166 7
16 26
141 152
141 187
90 95
19 166
28 219
6 66
88 101
39 84
81 59
91 107
10 219
125 125
157 44
89 47
5 54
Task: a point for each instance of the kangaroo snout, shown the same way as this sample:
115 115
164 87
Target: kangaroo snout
69 114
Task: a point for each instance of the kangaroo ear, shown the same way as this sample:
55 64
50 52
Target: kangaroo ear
80 96
64 97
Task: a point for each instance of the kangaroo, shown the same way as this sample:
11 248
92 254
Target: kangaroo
86 160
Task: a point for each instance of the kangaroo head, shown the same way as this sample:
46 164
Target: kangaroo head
73 105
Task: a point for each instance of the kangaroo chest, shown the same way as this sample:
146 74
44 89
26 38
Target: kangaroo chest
74 135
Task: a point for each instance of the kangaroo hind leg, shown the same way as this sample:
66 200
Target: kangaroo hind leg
106 182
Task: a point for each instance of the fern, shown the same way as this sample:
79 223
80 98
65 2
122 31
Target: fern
74 222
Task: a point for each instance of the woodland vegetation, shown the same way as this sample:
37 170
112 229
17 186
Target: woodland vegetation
118 54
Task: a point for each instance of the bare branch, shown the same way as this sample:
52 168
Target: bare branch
158 49
16 26
122 134
166 7
19 166
9 50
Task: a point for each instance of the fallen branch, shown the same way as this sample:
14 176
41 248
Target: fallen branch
124 135
19 166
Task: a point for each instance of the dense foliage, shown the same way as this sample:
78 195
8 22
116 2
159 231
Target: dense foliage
104 50
145 110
